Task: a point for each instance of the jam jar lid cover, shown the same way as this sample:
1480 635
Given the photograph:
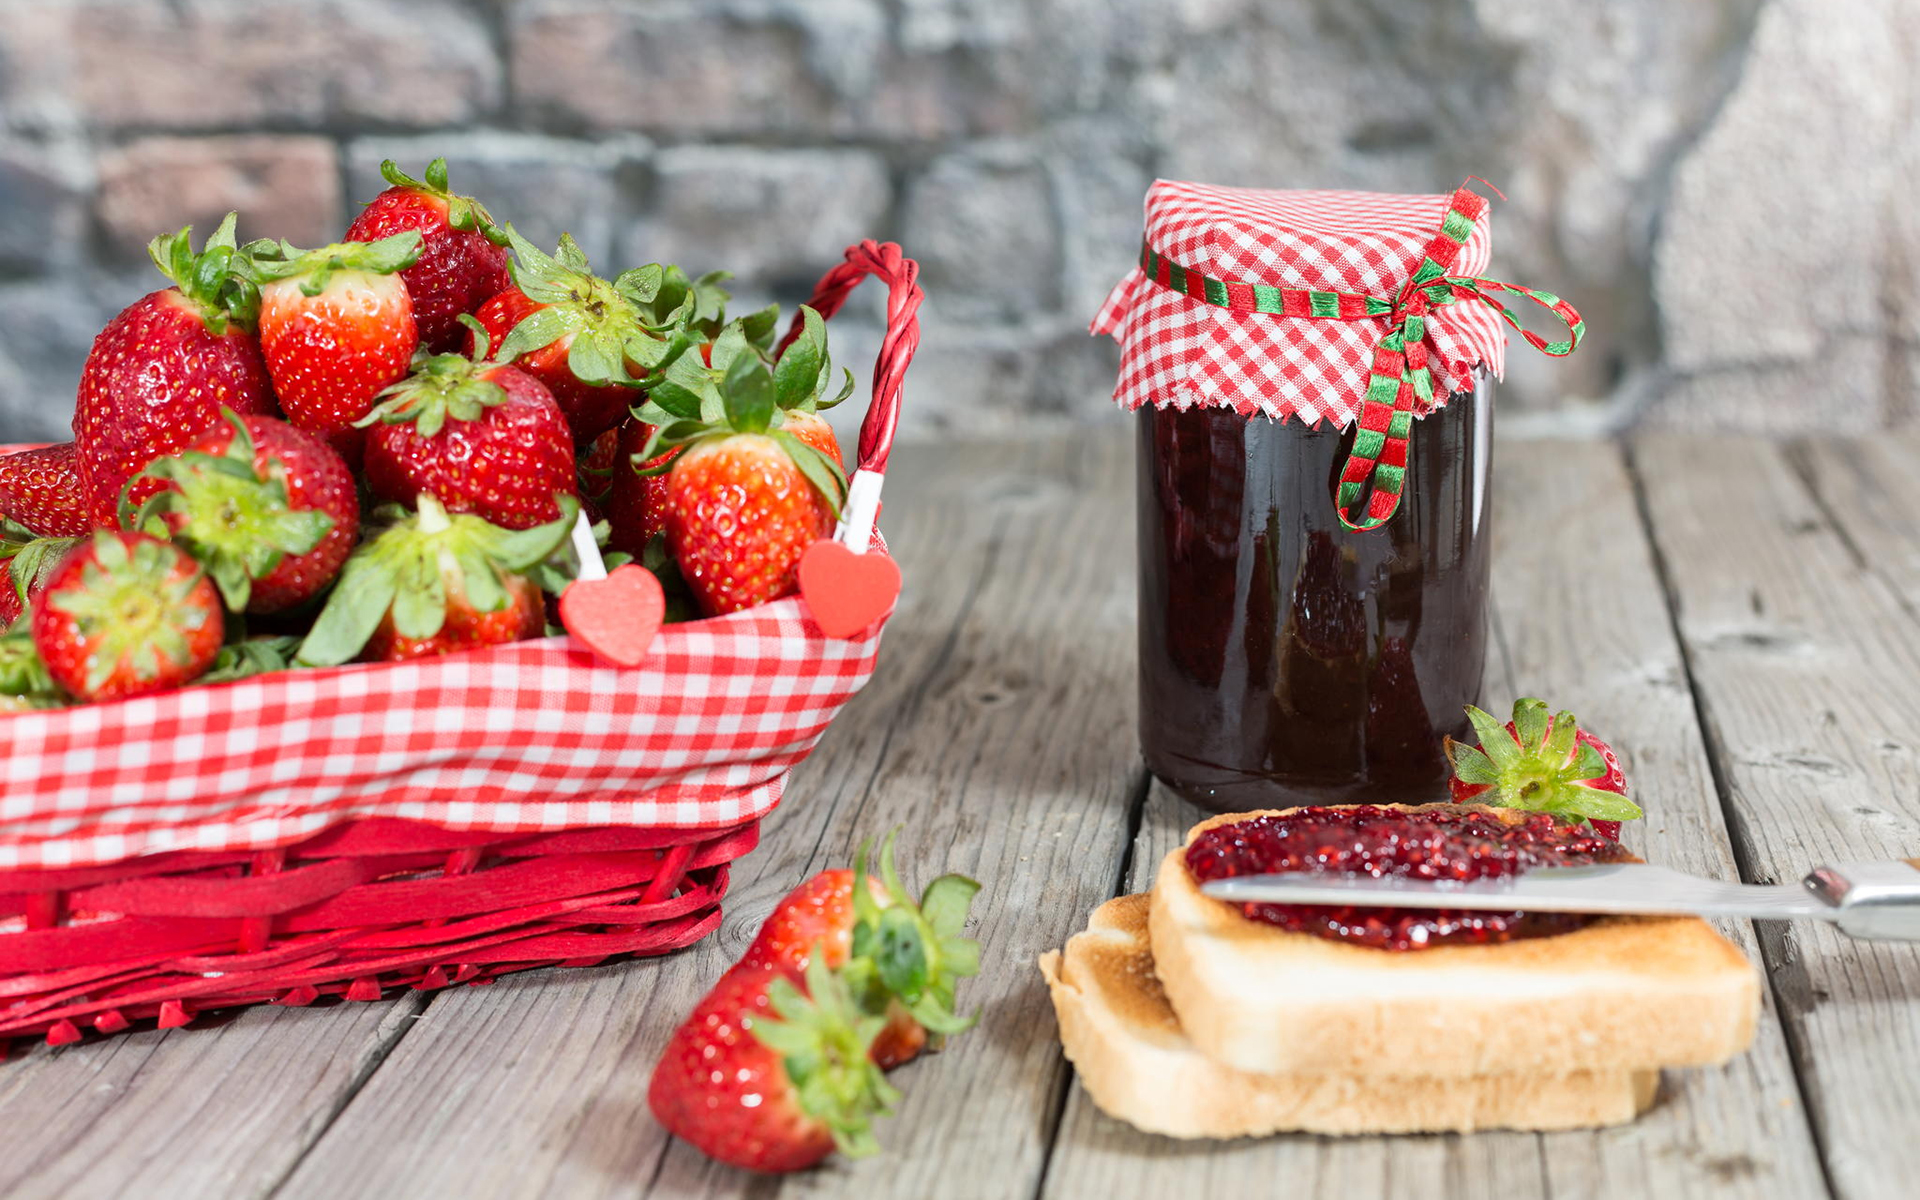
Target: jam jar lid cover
1180 352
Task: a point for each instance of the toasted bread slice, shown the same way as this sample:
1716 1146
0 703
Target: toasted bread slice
1138 1065
1624 993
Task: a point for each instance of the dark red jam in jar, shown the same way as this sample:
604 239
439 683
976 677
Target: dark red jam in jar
1285 659
1446 843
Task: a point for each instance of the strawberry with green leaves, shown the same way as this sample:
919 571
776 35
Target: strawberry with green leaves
433 582
745 495
463 256
482 437
126 614
781 1062
270 511
337 328
27 561
1541 763
588 339
40 489
162 370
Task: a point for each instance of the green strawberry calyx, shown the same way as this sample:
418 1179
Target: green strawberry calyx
739 393
611 326
463 212
217 279
269 261
1540 765
23 675
824 1039
911 951
238 522
424 562
28 560
442 387
132 607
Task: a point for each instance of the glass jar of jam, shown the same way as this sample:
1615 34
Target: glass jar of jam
1284 658
1311 377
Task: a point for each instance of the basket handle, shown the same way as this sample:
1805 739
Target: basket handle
885 261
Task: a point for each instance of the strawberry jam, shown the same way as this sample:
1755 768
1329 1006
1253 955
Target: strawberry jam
1285 659
1441 844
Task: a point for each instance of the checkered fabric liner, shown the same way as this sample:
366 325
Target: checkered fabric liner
1181 352
528 736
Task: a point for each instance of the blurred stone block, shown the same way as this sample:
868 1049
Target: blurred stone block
218 64
777 219
282 187
41 212
982 224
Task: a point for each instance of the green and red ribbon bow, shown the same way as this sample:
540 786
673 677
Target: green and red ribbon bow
1400 384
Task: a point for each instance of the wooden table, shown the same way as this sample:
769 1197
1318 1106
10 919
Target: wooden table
1742 619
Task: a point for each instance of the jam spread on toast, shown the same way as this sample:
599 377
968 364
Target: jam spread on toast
1454 843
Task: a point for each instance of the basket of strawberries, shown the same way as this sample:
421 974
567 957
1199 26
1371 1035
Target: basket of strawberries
418 609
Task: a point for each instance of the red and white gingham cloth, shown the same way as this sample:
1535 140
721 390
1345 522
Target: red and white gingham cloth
528 736
1177 352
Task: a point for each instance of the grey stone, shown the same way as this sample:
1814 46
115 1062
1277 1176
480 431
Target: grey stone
206 64
982 224
49 328
282 187
776 218
42 212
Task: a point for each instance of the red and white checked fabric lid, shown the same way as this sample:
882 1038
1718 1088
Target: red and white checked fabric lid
1180 352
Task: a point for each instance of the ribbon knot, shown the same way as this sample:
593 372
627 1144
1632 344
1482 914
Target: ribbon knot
1399 384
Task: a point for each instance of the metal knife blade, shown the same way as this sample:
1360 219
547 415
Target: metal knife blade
1634 888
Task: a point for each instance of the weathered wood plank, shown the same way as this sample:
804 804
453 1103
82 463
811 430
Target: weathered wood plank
999 731
1805 661
1871 487
1583 624
187 1113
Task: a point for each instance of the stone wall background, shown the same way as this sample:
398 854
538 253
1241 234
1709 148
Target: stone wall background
1722 186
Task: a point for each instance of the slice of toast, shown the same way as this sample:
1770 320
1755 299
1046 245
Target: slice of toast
1624 993
1138 1065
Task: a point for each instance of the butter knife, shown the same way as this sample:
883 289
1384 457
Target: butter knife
1877 901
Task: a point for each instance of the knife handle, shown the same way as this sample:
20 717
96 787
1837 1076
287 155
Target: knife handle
1875 901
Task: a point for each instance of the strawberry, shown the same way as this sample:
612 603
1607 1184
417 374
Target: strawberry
482 437
336 325
636 503
24 682
463 257
766 1076
271 512
432 583
745 495
587 339
126 614
162 370
27 561
40 489
1544 764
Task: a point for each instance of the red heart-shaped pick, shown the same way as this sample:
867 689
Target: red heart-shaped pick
847 592
615 617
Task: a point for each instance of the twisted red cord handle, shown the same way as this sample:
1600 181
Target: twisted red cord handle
885 261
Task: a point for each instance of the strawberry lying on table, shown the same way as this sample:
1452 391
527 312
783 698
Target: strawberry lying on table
782 1062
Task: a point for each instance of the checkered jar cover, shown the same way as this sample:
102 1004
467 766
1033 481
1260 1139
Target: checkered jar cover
1181 351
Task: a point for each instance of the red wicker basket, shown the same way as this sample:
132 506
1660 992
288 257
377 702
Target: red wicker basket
348 831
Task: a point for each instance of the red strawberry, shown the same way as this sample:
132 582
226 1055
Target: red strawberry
435 583
463 257
337 327
878 973
812 429
40 489
1544 764
162 370
483 438
583 336
126 614
637 504
271 512
746 496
